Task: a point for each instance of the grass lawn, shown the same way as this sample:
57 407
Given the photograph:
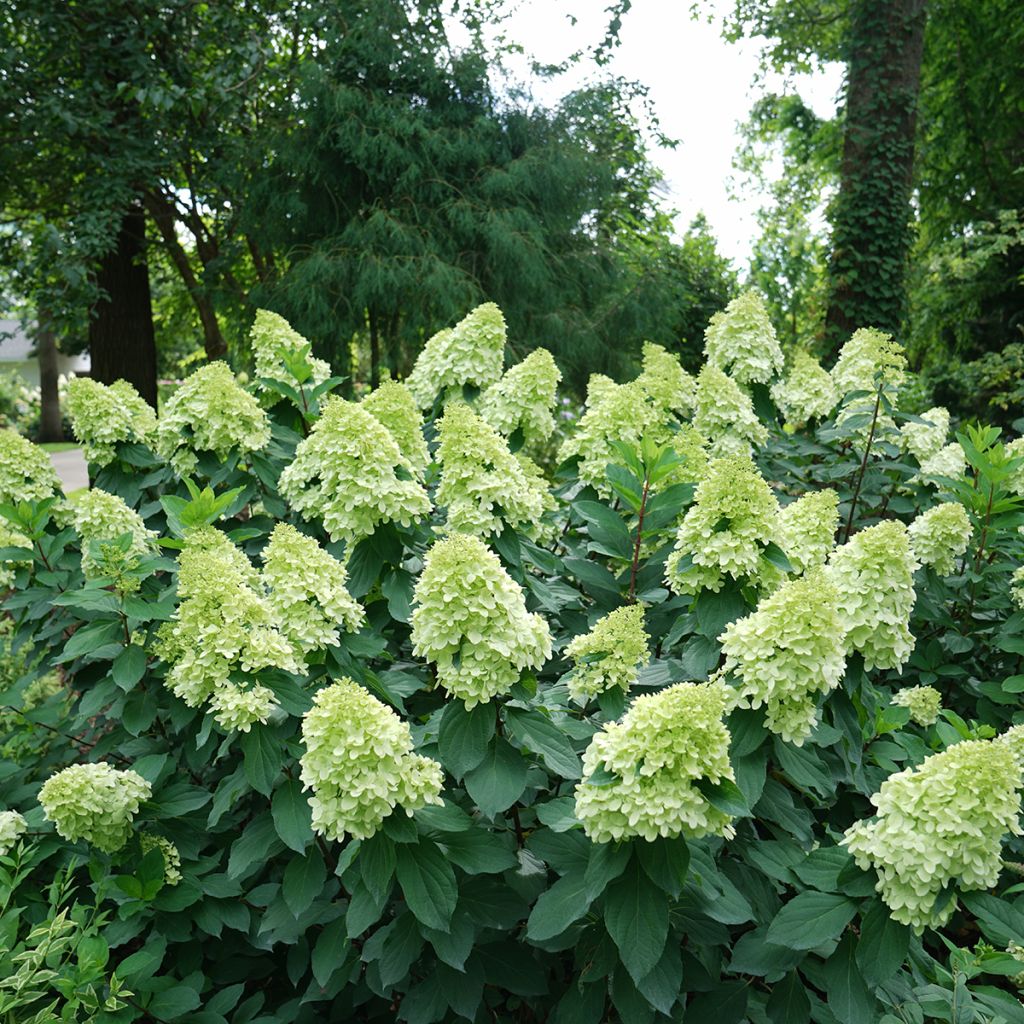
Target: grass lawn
58 446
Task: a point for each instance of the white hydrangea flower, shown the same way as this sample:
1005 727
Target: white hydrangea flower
1015 450
12 827
1017 587
924 702
274 341
26 472
524 398
741 340
807 528
940 535
100 518
923 440
609 655
11 538
599 387
172 858
667 384
807 392
949 461
104 416
470 619
869 357
94 802
665 744
725 414
391 403
359 763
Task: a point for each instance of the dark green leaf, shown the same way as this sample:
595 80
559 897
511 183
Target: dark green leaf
463 736
428 884
499 780
538 733
558 907
303 880
810 919
292 816
636 915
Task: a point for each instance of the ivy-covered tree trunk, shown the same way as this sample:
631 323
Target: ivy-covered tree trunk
871 212
121 337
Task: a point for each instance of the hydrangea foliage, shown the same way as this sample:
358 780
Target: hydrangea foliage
741 341
940 535
106 415
610 654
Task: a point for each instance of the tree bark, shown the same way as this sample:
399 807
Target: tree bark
871 212
51 427
121 337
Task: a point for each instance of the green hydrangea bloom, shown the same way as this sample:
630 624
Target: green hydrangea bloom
940 536
923 440
544 529
274 341
471 353
787 652
667 384
100 518
1015 450
924 702
12 538
807 528
210 412
224 623
470 618
104 416
359 763
734 516
725 414
392 405
307 590
939 824
483 485
524 398
351 473
12 827
94 802
26 472
172 858
741 340
599 387
609 655
873 573
949 461
664 745
869 355
1017 587
807 392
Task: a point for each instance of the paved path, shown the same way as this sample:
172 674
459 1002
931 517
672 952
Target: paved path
71 468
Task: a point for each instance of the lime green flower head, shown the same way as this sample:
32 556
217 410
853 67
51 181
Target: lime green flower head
741 341
350 473
12 827
609 655
104 416
94 802
725 531
807 529
940 824
471 353
392 405
275 345
307 590
1017 587
470 618
949 461
868 357
807 392
665 744
12 538
26 473
172 858
210 412
725 414
359 763
667 384
100 518
923 440
599 387
1015 450
482 485
940 536
873 573
524 398
787 652
924 702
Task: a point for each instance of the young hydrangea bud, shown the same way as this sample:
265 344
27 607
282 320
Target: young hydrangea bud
307 590
470 618
741 341
524 398
787 652
172 858
924 702
725 531
94 802
100 518
949 461
26 473
483 485
609 655
393 406
725 414
807 529
807 392
12 827
350 472
923 440
210 412
940 536
939 824
665 381
104 416
359 763
471 353
873 573
275 343
665 744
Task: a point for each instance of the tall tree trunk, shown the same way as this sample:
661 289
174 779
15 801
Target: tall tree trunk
51 427
871 212
121 338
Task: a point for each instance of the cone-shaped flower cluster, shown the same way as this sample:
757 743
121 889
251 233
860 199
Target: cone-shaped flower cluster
359 763
26 473
99 519
949 461
787 652
12 827
524 398
94 802
741 341
940 536
939 824
923 440
393 406
873 574
471 353
275 344
807 392
104 416
172 858
665 381
350 472
470 618
609 655
725 531
868 357
599 387
210 412
924 702
482 485
725 414
807 529
1015 450
665 744
307 590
